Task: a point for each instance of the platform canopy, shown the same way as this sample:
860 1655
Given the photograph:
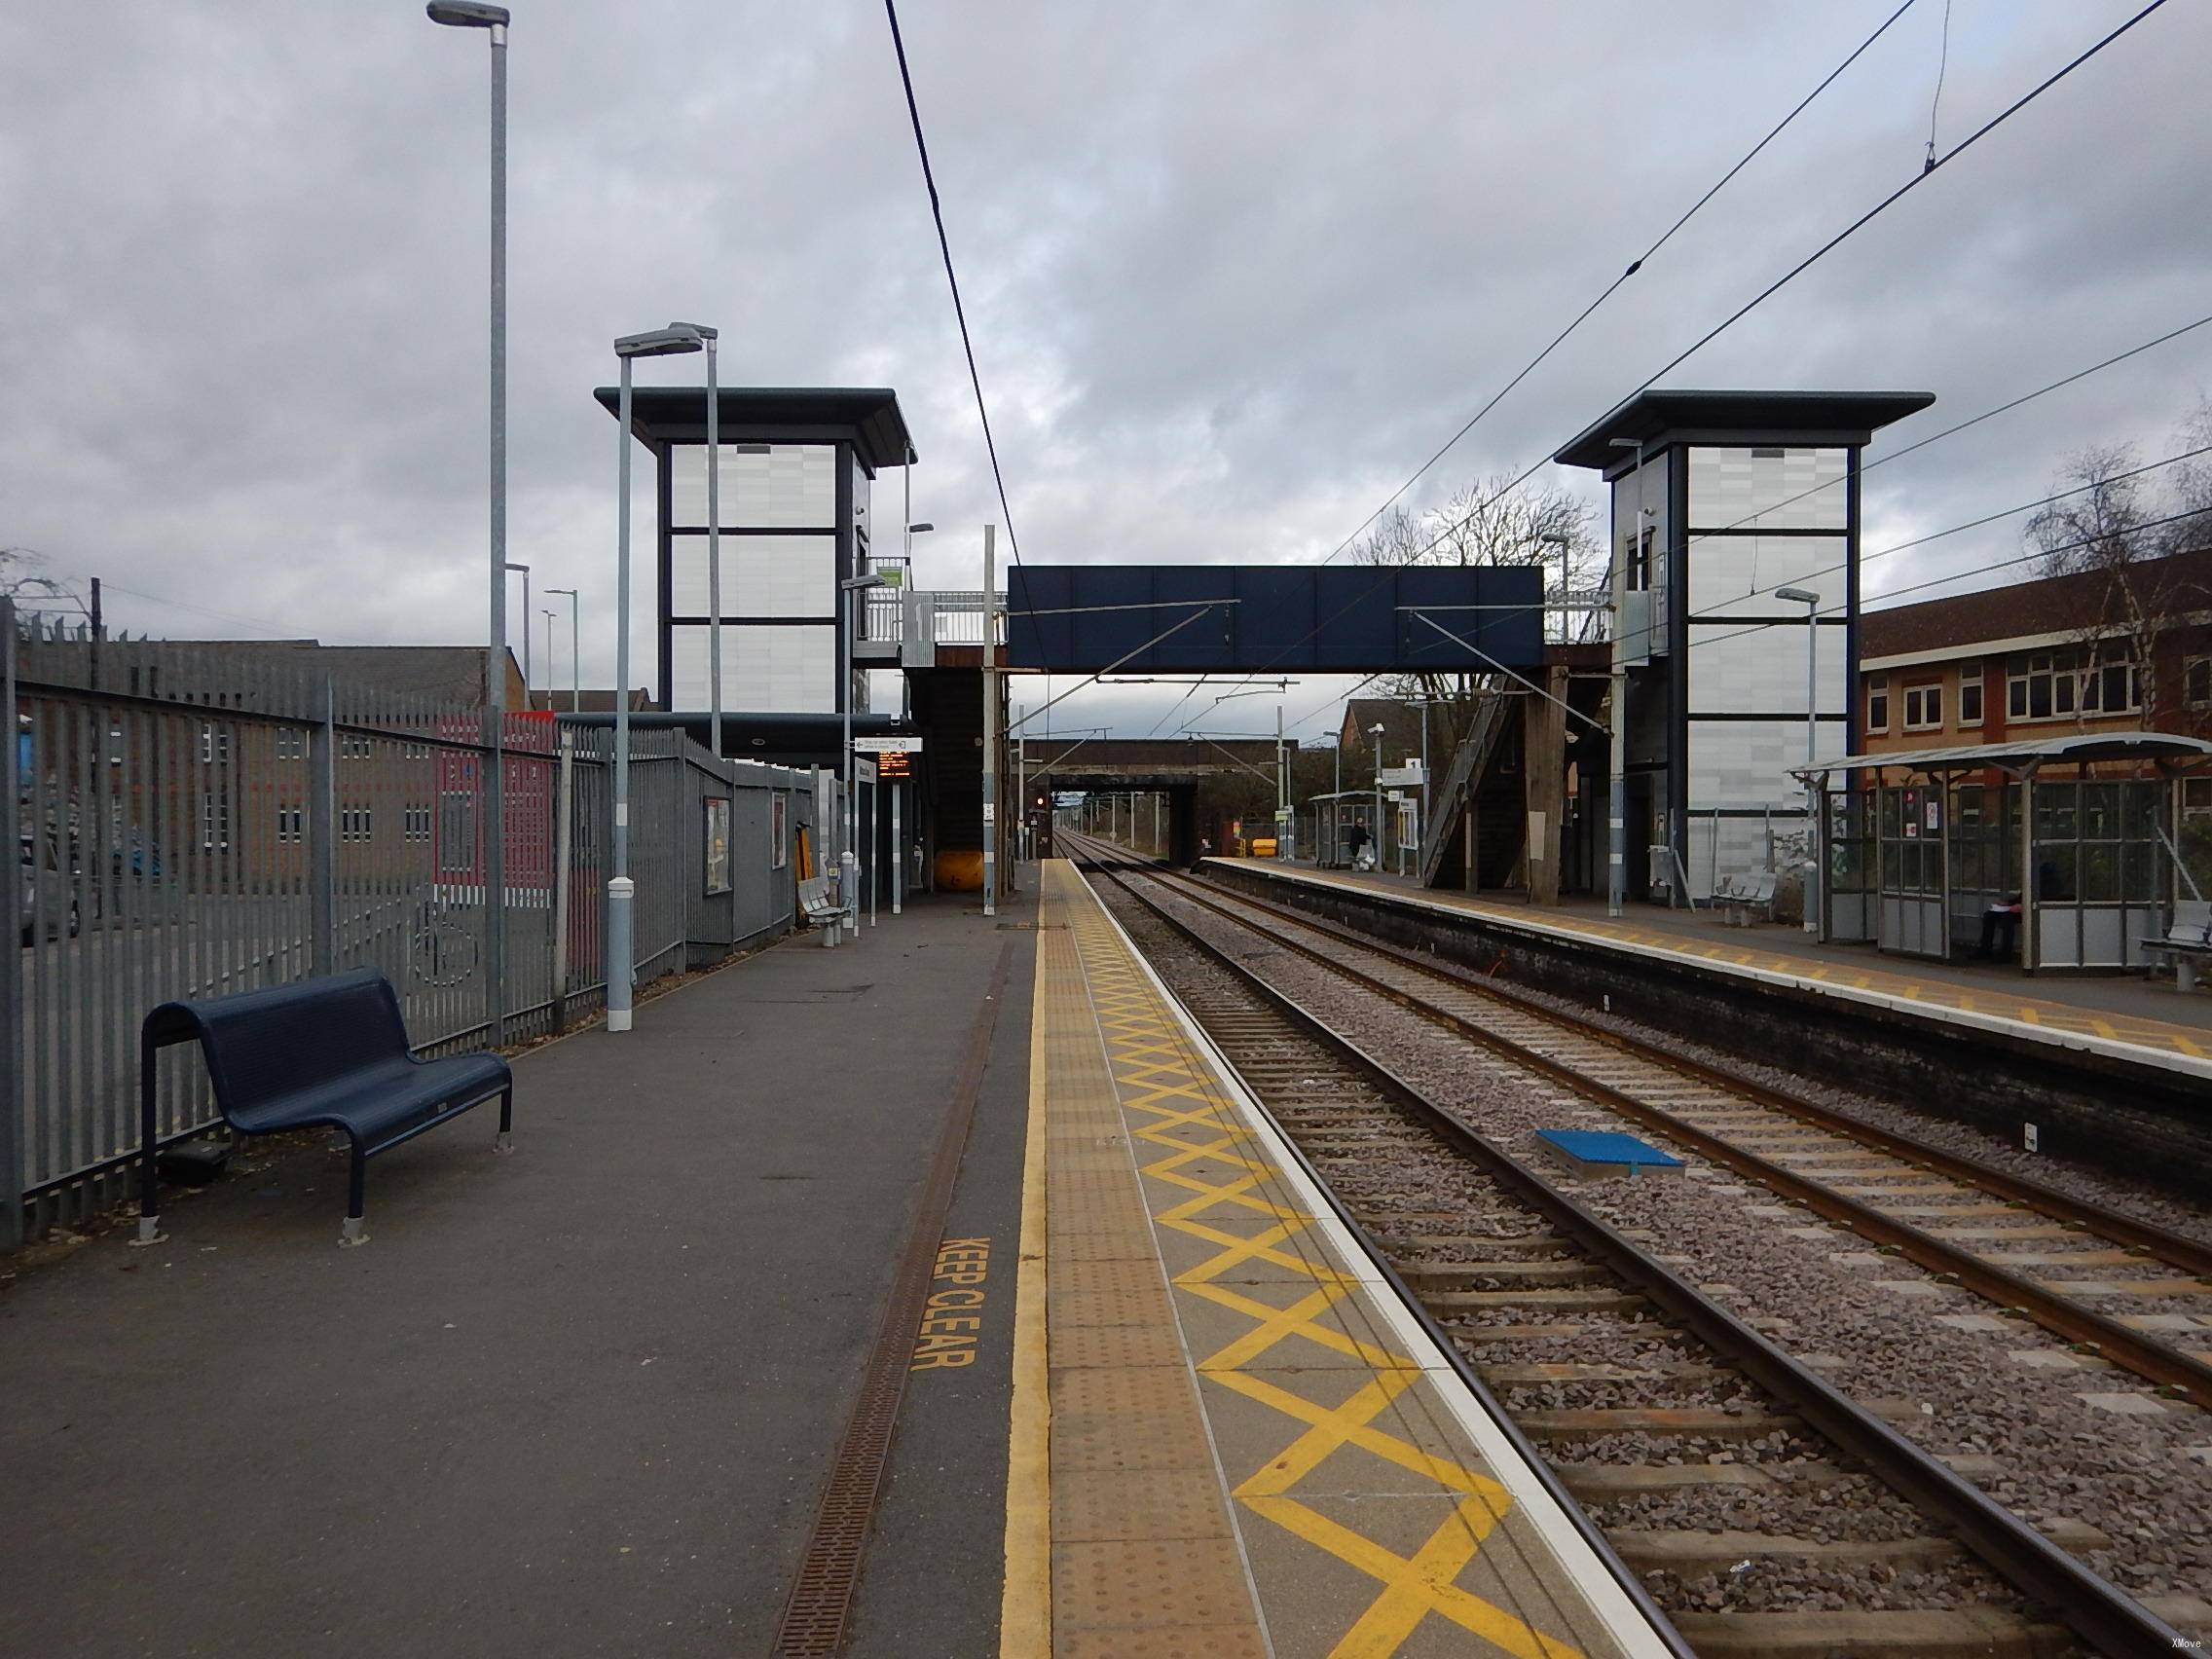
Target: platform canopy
2170 750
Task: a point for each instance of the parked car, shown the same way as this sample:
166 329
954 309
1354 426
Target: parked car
50 891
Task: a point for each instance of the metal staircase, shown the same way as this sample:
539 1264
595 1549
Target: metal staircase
1447 806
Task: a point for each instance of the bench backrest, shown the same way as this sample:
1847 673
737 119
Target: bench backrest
1759 886
814 892
2193 921
262 1046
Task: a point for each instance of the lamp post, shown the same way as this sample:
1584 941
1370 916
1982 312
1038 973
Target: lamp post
707 337
493 19
848 865
1811 601
548 613
1616 806
575 656
524 571
621 891
1376 732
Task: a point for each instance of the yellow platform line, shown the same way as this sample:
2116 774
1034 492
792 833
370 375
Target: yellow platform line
1025 1597
1161 1076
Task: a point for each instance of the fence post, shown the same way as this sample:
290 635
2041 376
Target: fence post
12 959
322 839
563 807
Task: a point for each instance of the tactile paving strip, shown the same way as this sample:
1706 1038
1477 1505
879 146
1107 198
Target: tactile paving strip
1384 1536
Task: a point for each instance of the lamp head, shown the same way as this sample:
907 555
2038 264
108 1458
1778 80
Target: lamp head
1798 595
660 343
706 334
466 14
1626 443
917 528
512 566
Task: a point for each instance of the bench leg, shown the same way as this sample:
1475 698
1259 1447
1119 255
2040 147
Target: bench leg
149 1155
2185 971
829 934
356 1227
504 1141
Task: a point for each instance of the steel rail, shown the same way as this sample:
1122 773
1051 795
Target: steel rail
2157 1362
2109 1619
2176 1250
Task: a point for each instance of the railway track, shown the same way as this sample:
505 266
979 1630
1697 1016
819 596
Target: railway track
1762 1509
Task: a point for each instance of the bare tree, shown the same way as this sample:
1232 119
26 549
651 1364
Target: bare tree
2116 529
1491 523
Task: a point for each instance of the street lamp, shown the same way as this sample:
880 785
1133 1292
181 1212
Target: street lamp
1377 735
714 539
1616 805
469 14
524 570
548 613
848 865
1811 601
621 891
576 657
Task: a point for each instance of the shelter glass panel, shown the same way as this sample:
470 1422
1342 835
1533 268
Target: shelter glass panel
1736 575
765 669
1732 671
1768 489
762 575
763 486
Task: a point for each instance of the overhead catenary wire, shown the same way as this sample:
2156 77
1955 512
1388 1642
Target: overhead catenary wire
1560 339
1760 298
951 277
1633 266
2010 562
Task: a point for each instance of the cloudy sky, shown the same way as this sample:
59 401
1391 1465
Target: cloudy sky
1233 269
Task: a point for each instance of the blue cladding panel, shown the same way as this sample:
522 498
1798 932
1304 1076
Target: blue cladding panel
1078 619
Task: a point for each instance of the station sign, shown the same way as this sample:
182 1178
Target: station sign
863 771
910 744
1400 775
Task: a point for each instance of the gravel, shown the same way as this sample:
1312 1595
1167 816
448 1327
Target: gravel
2142 1481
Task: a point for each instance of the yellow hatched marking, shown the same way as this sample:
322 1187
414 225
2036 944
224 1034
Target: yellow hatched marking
1160 1078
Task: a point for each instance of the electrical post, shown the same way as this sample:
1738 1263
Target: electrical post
990 722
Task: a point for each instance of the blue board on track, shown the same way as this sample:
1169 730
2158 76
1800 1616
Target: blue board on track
1609 1146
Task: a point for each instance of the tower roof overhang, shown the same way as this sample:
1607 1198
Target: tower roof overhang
1797 419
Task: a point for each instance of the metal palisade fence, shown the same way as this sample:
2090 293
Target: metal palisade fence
195 820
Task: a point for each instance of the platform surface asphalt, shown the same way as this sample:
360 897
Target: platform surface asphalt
2113 1007
576 1400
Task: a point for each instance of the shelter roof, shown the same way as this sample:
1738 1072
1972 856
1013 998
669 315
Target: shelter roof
2025 757
869 416
1796 417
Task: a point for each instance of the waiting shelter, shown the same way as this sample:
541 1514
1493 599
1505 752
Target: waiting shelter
2066 852
1334 815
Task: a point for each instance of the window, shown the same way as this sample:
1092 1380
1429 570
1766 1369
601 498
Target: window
291 822
456 830
291 743
1923 706
215 822
2197 683
1640 562
355 747
115 745
417 826
356 823
779 832
1877 702
214 745
2062 684
415 751
1970 694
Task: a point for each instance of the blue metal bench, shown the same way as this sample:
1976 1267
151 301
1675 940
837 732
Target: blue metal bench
328 1051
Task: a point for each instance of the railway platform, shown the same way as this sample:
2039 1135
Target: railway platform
943 1296
2120 1017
